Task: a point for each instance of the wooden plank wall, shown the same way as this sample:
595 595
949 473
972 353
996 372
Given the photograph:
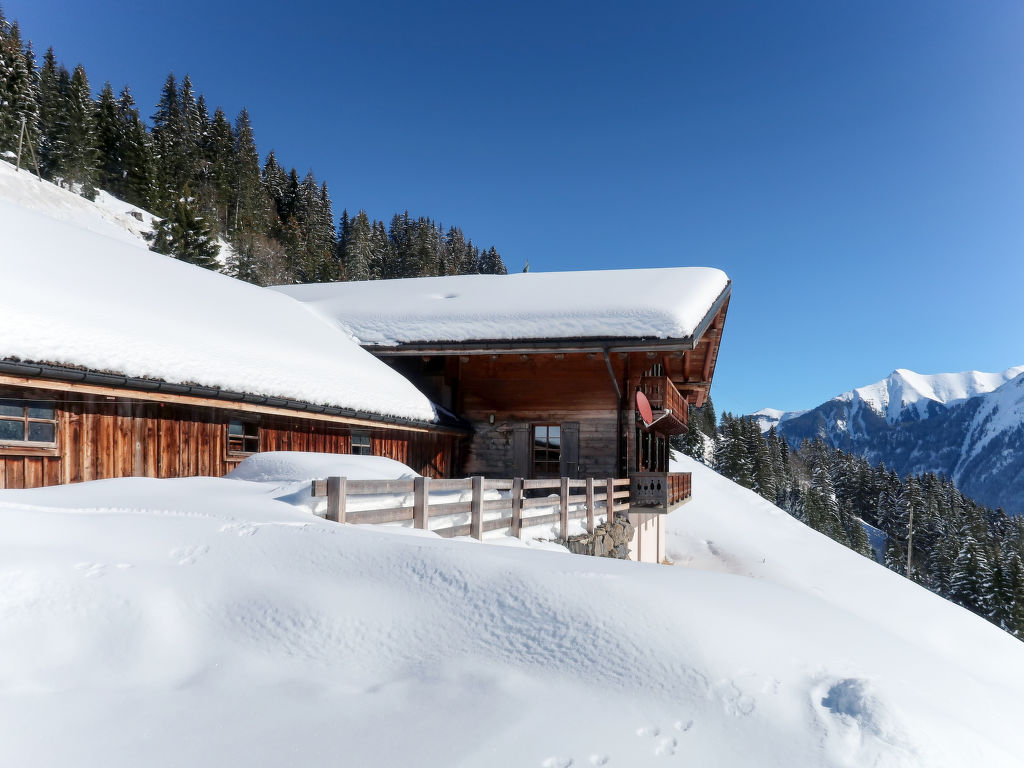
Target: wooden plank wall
100 437
548 388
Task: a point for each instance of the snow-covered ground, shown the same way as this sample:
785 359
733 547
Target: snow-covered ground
206 622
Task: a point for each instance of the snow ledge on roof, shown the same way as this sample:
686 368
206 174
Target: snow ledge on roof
667 303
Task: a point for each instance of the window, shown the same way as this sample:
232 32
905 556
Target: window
547 450
243 436
361 444
28 423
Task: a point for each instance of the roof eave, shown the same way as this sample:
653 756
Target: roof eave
129 383
568 345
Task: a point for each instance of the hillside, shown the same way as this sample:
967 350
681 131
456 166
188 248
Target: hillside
967 426
215 624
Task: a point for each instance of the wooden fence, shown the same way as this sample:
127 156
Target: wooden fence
582 495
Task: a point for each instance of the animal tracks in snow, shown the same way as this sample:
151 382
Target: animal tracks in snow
95 570
189 555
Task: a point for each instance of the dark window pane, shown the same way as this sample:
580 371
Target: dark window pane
40 411
11 408
12 430
235 428
41 433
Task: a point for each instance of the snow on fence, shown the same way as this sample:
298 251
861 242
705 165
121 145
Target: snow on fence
512 496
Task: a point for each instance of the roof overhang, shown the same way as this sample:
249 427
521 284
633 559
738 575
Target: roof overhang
548 345
156 390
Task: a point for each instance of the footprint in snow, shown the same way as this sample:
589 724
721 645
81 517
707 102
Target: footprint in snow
666 747
91 570
241 529
648 730
599 759
683 725
189 555
557 762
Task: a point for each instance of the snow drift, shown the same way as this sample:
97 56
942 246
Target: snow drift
204 622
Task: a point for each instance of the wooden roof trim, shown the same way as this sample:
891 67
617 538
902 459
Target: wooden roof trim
546 346
229 401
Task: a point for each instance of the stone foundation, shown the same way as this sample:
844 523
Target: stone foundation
607 540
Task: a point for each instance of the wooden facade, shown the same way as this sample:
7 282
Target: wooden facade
510 392
102 432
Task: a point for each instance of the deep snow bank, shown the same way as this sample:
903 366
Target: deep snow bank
203 622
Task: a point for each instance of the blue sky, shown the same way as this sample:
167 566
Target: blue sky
856 168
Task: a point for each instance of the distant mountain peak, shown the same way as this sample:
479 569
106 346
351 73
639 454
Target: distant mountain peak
968 426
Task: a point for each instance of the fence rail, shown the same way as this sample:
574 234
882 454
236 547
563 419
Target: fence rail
615 493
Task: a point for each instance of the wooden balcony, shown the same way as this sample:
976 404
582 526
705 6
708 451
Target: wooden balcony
659 491
670 408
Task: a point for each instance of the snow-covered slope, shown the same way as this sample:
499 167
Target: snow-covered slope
80 288
967 426
202 622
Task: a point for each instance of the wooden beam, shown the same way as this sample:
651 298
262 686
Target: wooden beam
517 507
563 509
421 501
476 515
336 499
590 505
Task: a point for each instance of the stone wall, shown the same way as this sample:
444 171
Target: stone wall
607 540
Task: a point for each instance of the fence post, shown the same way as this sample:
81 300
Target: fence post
421 502
610 500
517 507
590 505
563 509
476 527
336 499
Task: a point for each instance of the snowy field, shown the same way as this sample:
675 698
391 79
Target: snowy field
205 622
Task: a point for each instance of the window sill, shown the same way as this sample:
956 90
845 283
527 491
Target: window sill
29 450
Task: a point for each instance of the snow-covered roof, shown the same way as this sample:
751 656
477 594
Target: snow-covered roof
80 290
666 303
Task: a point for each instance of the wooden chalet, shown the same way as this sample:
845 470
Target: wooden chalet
562 404
122 362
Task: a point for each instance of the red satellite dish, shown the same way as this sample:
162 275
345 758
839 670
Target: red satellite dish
644 406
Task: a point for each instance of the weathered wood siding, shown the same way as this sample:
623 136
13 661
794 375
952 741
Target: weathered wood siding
100 437
537 389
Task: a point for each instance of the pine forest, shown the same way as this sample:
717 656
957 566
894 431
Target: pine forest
923 527
201 175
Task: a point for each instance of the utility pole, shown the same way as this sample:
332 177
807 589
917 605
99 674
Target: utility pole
23 134
910 540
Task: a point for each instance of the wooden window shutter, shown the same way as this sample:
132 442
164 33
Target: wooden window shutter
570 464
521 450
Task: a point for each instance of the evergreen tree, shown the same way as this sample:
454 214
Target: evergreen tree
358 253
186 235
51 104
169 152
18 100
78 156
971 580
251 212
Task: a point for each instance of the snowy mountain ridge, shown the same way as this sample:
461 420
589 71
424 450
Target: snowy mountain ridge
968 426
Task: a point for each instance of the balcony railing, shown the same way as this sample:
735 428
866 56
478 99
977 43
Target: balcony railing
661 491
670 408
